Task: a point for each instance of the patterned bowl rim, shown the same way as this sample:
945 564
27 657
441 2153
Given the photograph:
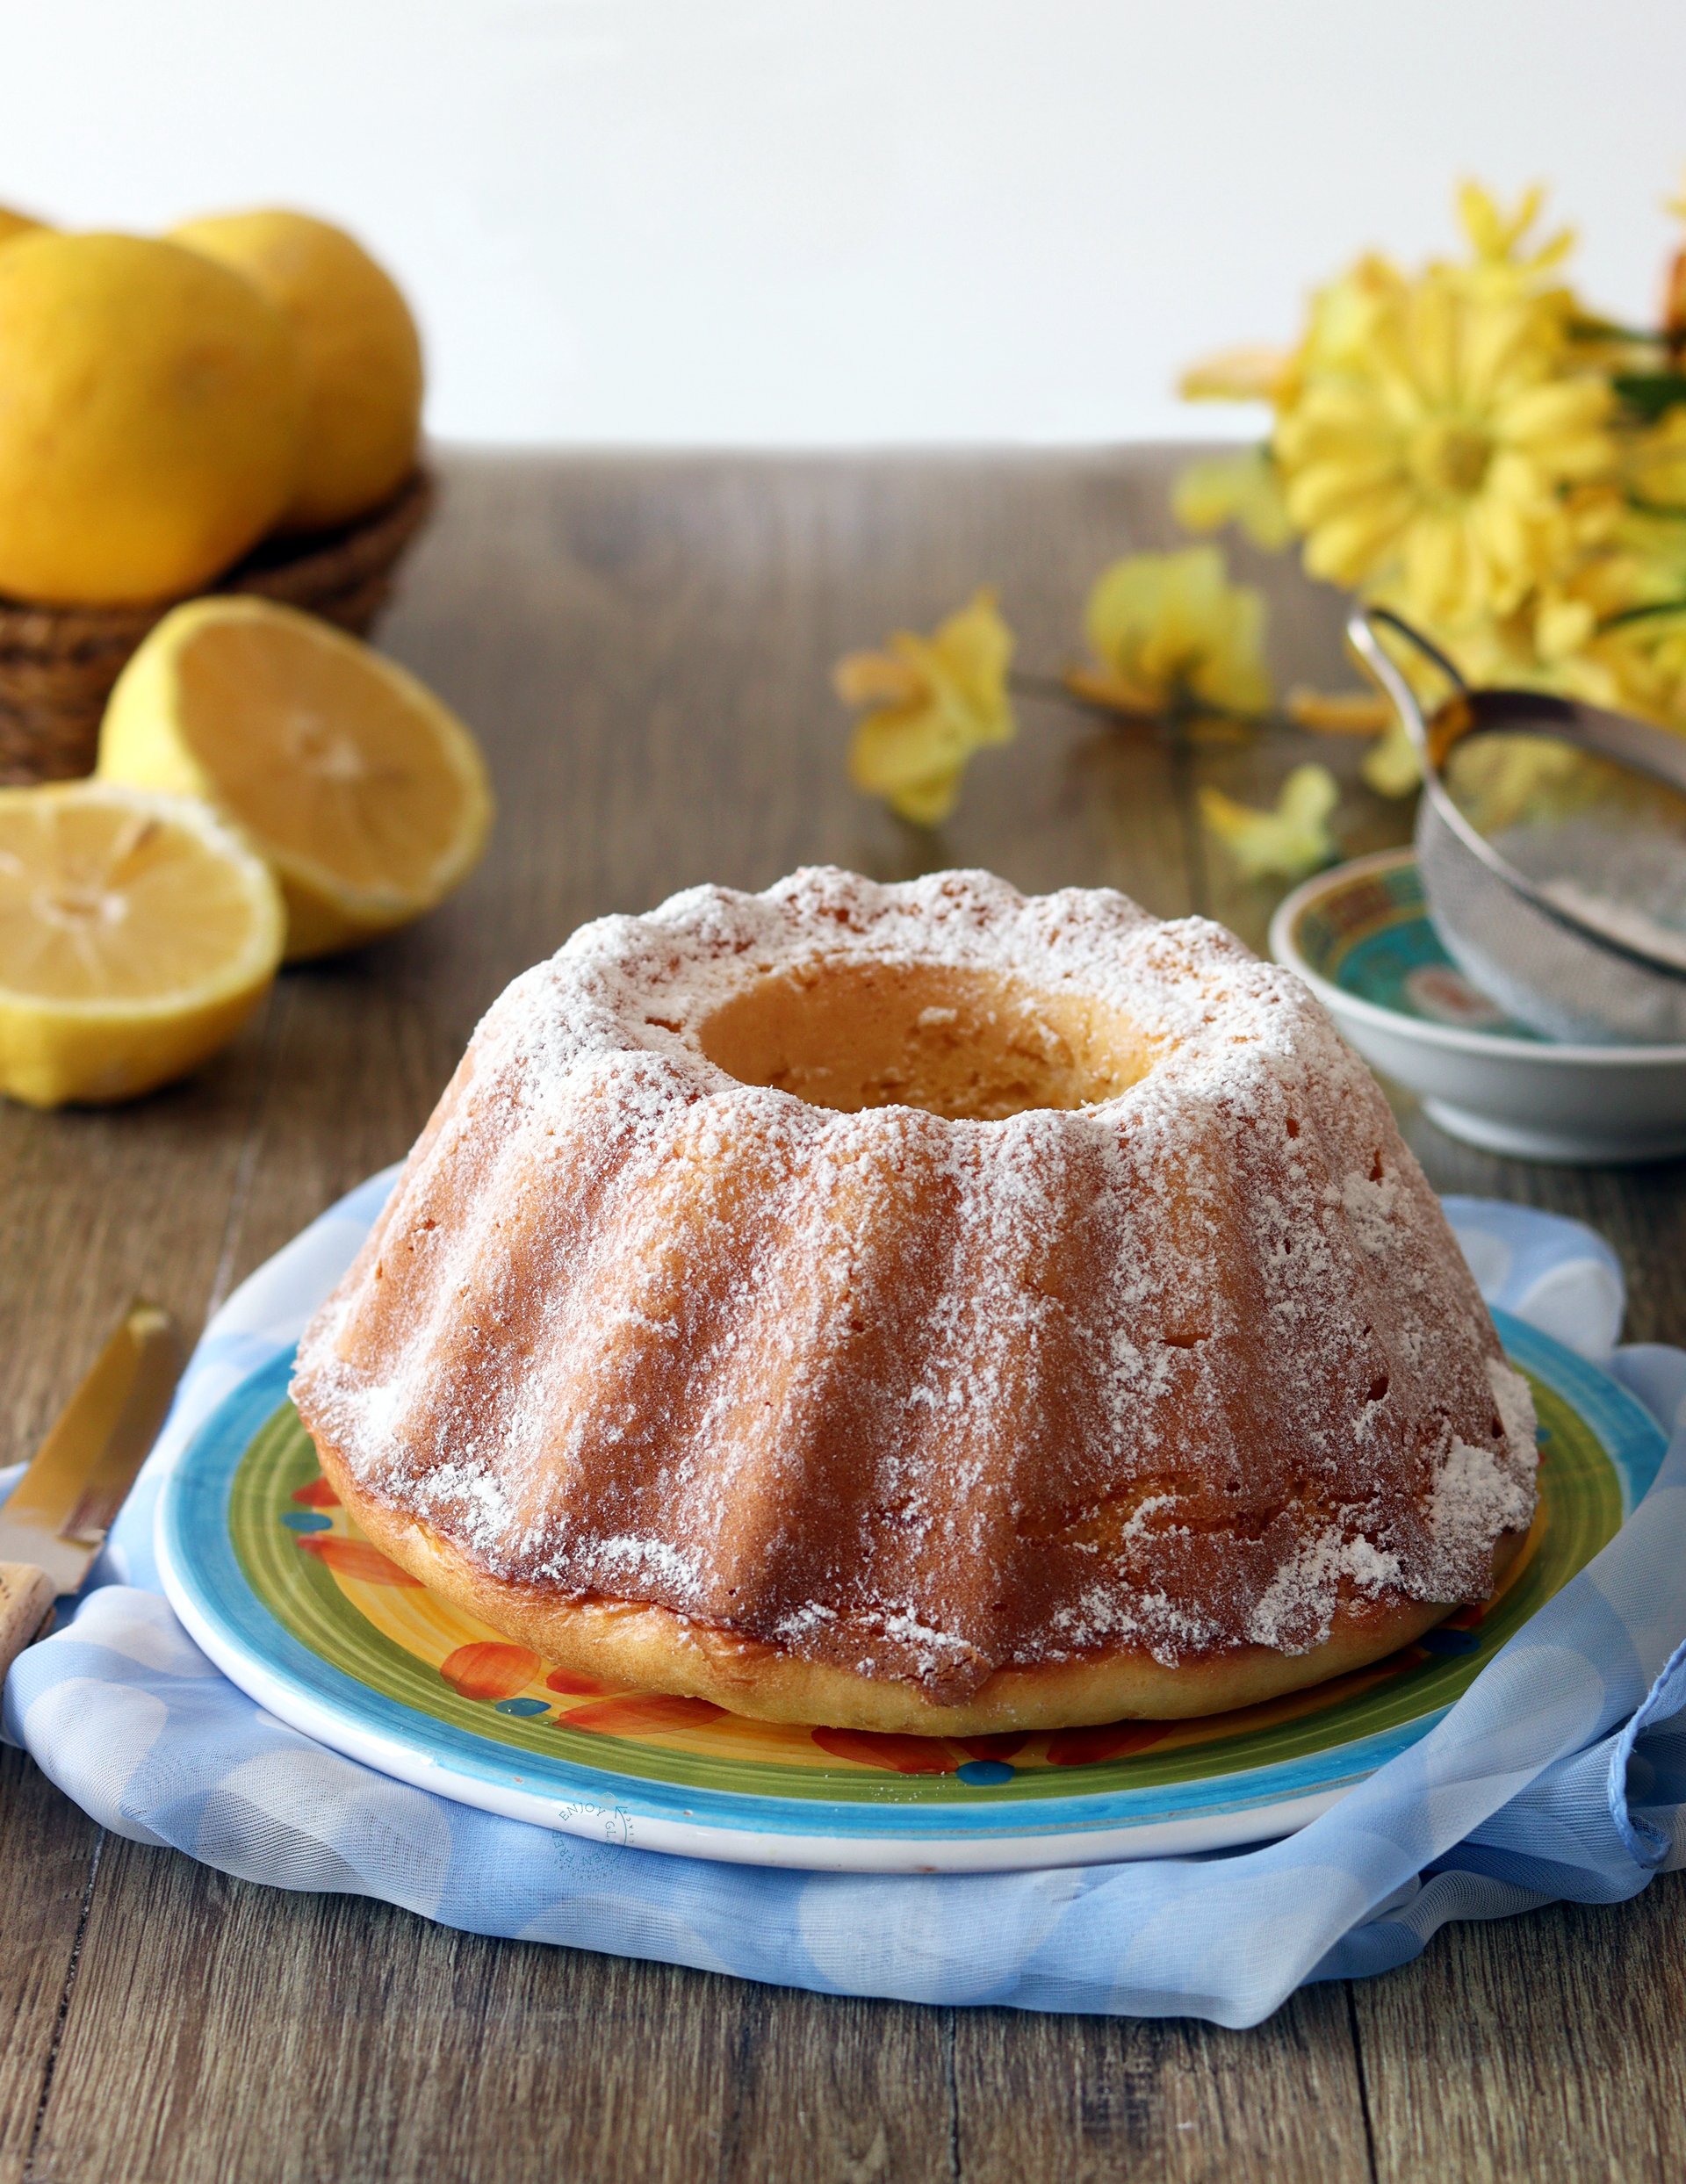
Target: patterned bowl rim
1538 1054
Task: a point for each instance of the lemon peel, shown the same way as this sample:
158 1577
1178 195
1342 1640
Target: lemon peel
358 351
149 433
13 223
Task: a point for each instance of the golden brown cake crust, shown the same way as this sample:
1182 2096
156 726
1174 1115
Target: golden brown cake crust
635 1646
920 1287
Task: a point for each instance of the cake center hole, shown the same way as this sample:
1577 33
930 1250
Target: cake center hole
969 1045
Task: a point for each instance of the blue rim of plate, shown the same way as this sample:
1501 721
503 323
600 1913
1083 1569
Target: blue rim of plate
211 1592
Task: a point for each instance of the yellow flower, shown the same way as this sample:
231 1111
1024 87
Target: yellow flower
1643 664
936 700
1392 768
1240 488
1610 628
1255 374
1537 647
1344 316
1336 334
1636 592
1290 841
1497 240
1170 628
1338 712
1654 463
1439 459
1564 639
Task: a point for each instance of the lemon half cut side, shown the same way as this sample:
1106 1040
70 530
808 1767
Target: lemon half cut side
365 795
137 935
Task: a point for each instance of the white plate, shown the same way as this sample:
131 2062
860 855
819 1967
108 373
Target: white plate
270 1582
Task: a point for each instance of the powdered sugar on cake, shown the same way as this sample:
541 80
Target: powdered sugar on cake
1181 1370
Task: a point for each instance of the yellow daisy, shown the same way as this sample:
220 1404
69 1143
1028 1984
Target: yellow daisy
1337 334
1438 459
1646 660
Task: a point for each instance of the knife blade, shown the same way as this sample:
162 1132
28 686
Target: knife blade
56 1517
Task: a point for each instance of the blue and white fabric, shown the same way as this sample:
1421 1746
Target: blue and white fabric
1561 1773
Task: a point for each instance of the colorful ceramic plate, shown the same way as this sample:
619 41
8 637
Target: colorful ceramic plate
1361 939
317 1625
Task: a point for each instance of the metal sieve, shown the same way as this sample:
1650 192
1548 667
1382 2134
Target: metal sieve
1550 840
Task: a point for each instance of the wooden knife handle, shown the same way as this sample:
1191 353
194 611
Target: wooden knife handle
26 1598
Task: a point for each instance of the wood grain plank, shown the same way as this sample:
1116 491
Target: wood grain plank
1090 2099
47 1857
100 1203
644 650
1253 771
224 2031
1547 2047
646 660
98 1206
644 646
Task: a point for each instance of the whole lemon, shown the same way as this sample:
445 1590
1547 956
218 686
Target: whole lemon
15 224
357 343
150 407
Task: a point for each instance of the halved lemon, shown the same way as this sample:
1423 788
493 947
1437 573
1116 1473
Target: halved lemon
365 795
137 935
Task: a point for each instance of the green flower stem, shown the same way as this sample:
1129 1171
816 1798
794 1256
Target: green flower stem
1608 330
1657 608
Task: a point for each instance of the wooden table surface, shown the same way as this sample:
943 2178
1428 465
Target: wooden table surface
642 645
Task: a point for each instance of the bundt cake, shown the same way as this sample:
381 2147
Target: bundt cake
922 1307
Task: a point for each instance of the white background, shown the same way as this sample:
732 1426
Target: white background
762 222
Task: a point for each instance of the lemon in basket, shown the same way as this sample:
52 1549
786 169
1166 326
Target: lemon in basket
137 935
366 795
149 419
358 347
17 223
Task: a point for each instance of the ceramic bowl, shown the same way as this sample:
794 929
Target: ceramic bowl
1361 939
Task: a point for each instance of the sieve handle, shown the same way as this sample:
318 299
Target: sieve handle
1631 742
1383 671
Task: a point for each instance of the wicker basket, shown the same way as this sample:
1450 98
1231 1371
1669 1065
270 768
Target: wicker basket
57 664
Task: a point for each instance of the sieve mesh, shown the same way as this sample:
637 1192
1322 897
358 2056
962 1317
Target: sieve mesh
1550 840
